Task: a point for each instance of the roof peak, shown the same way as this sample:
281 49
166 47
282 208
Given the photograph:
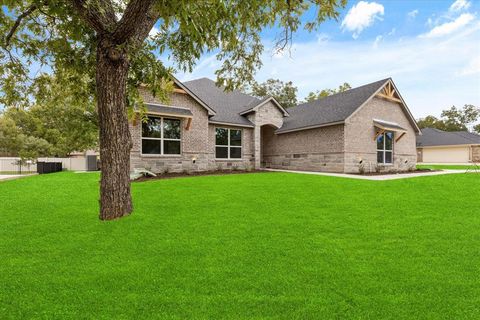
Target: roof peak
346 91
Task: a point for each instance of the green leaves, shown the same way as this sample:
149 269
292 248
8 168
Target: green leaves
453 119
55 38
284 92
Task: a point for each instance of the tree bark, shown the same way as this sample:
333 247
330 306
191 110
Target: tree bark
115 140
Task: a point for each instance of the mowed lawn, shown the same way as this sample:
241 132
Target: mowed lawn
251 246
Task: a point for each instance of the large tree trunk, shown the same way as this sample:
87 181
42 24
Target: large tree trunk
115 140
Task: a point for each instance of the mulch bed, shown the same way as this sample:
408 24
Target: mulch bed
390 173
171 175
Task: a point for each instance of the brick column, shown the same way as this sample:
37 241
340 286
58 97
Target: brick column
256 144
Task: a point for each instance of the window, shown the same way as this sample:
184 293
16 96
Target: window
385 148
228 143
161 136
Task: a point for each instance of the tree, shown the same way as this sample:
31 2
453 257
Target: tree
58 117
477 128
452 119
312 96
107 41
284 92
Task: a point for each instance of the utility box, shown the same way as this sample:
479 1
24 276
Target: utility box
92 163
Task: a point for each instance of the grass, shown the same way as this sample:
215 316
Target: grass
444 167
252 246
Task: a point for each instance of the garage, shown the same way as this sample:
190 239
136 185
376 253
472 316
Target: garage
446 154
437 146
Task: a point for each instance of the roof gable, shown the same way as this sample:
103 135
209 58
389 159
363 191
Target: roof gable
255 105
211 111
227 105
330 110
390 92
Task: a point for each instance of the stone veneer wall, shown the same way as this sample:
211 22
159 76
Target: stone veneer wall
198 142
360 145
319 149
267 114
476 154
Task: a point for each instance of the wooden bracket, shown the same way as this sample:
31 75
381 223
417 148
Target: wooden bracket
378 133
189 123
388 92
178 90
400 136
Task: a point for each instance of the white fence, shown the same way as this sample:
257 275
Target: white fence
10 164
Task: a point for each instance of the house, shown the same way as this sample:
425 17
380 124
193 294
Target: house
437 146
369 128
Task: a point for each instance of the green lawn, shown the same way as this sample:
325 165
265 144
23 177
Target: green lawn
253 246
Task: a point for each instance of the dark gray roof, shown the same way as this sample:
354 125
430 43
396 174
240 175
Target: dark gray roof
433 137
227 105
331 109
168 110
388 125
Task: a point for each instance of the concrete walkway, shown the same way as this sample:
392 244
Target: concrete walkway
4 177
374 178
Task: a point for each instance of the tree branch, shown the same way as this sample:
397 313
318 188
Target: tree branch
137 18
15 26
100 15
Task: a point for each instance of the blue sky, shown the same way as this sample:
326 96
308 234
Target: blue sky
431 49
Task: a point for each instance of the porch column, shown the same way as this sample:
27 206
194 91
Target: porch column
256 144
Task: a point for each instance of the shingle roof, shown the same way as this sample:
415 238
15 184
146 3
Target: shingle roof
331 109
388 125
168 110
434 137
227 105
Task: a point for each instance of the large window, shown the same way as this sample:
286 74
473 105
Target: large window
385 148
228 143
161 136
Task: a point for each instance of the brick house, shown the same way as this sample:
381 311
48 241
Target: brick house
369 128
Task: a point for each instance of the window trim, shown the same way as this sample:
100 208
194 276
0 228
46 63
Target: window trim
384 150
228 146
161 139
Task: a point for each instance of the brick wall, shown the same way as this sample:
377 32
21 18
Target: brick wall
197 143
359 134
476 154
318 149
267 115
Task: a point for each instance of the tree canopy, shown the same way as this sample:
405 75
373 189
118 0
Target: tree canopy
284 92
57 124
453 119
312 96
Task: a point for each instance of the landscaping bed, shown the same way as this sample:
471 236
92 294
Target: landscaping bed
170 175
419 171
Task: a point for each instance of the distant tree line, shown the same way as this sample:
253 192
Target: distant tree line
454 119
286 93
58 122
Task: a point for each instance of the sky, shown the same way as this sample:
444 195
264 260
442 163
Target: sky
431 49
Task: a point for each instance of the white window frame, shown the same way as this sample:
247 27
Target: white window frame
162 139
228 146
385 150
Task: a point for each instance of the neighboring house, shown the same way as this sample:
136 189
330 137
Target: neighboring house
368 128
437 146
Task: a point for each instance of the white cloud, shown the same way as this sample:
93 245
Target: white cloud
361 16
473 67
459 5
392 32
412 14
377 41
431 73
450 27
